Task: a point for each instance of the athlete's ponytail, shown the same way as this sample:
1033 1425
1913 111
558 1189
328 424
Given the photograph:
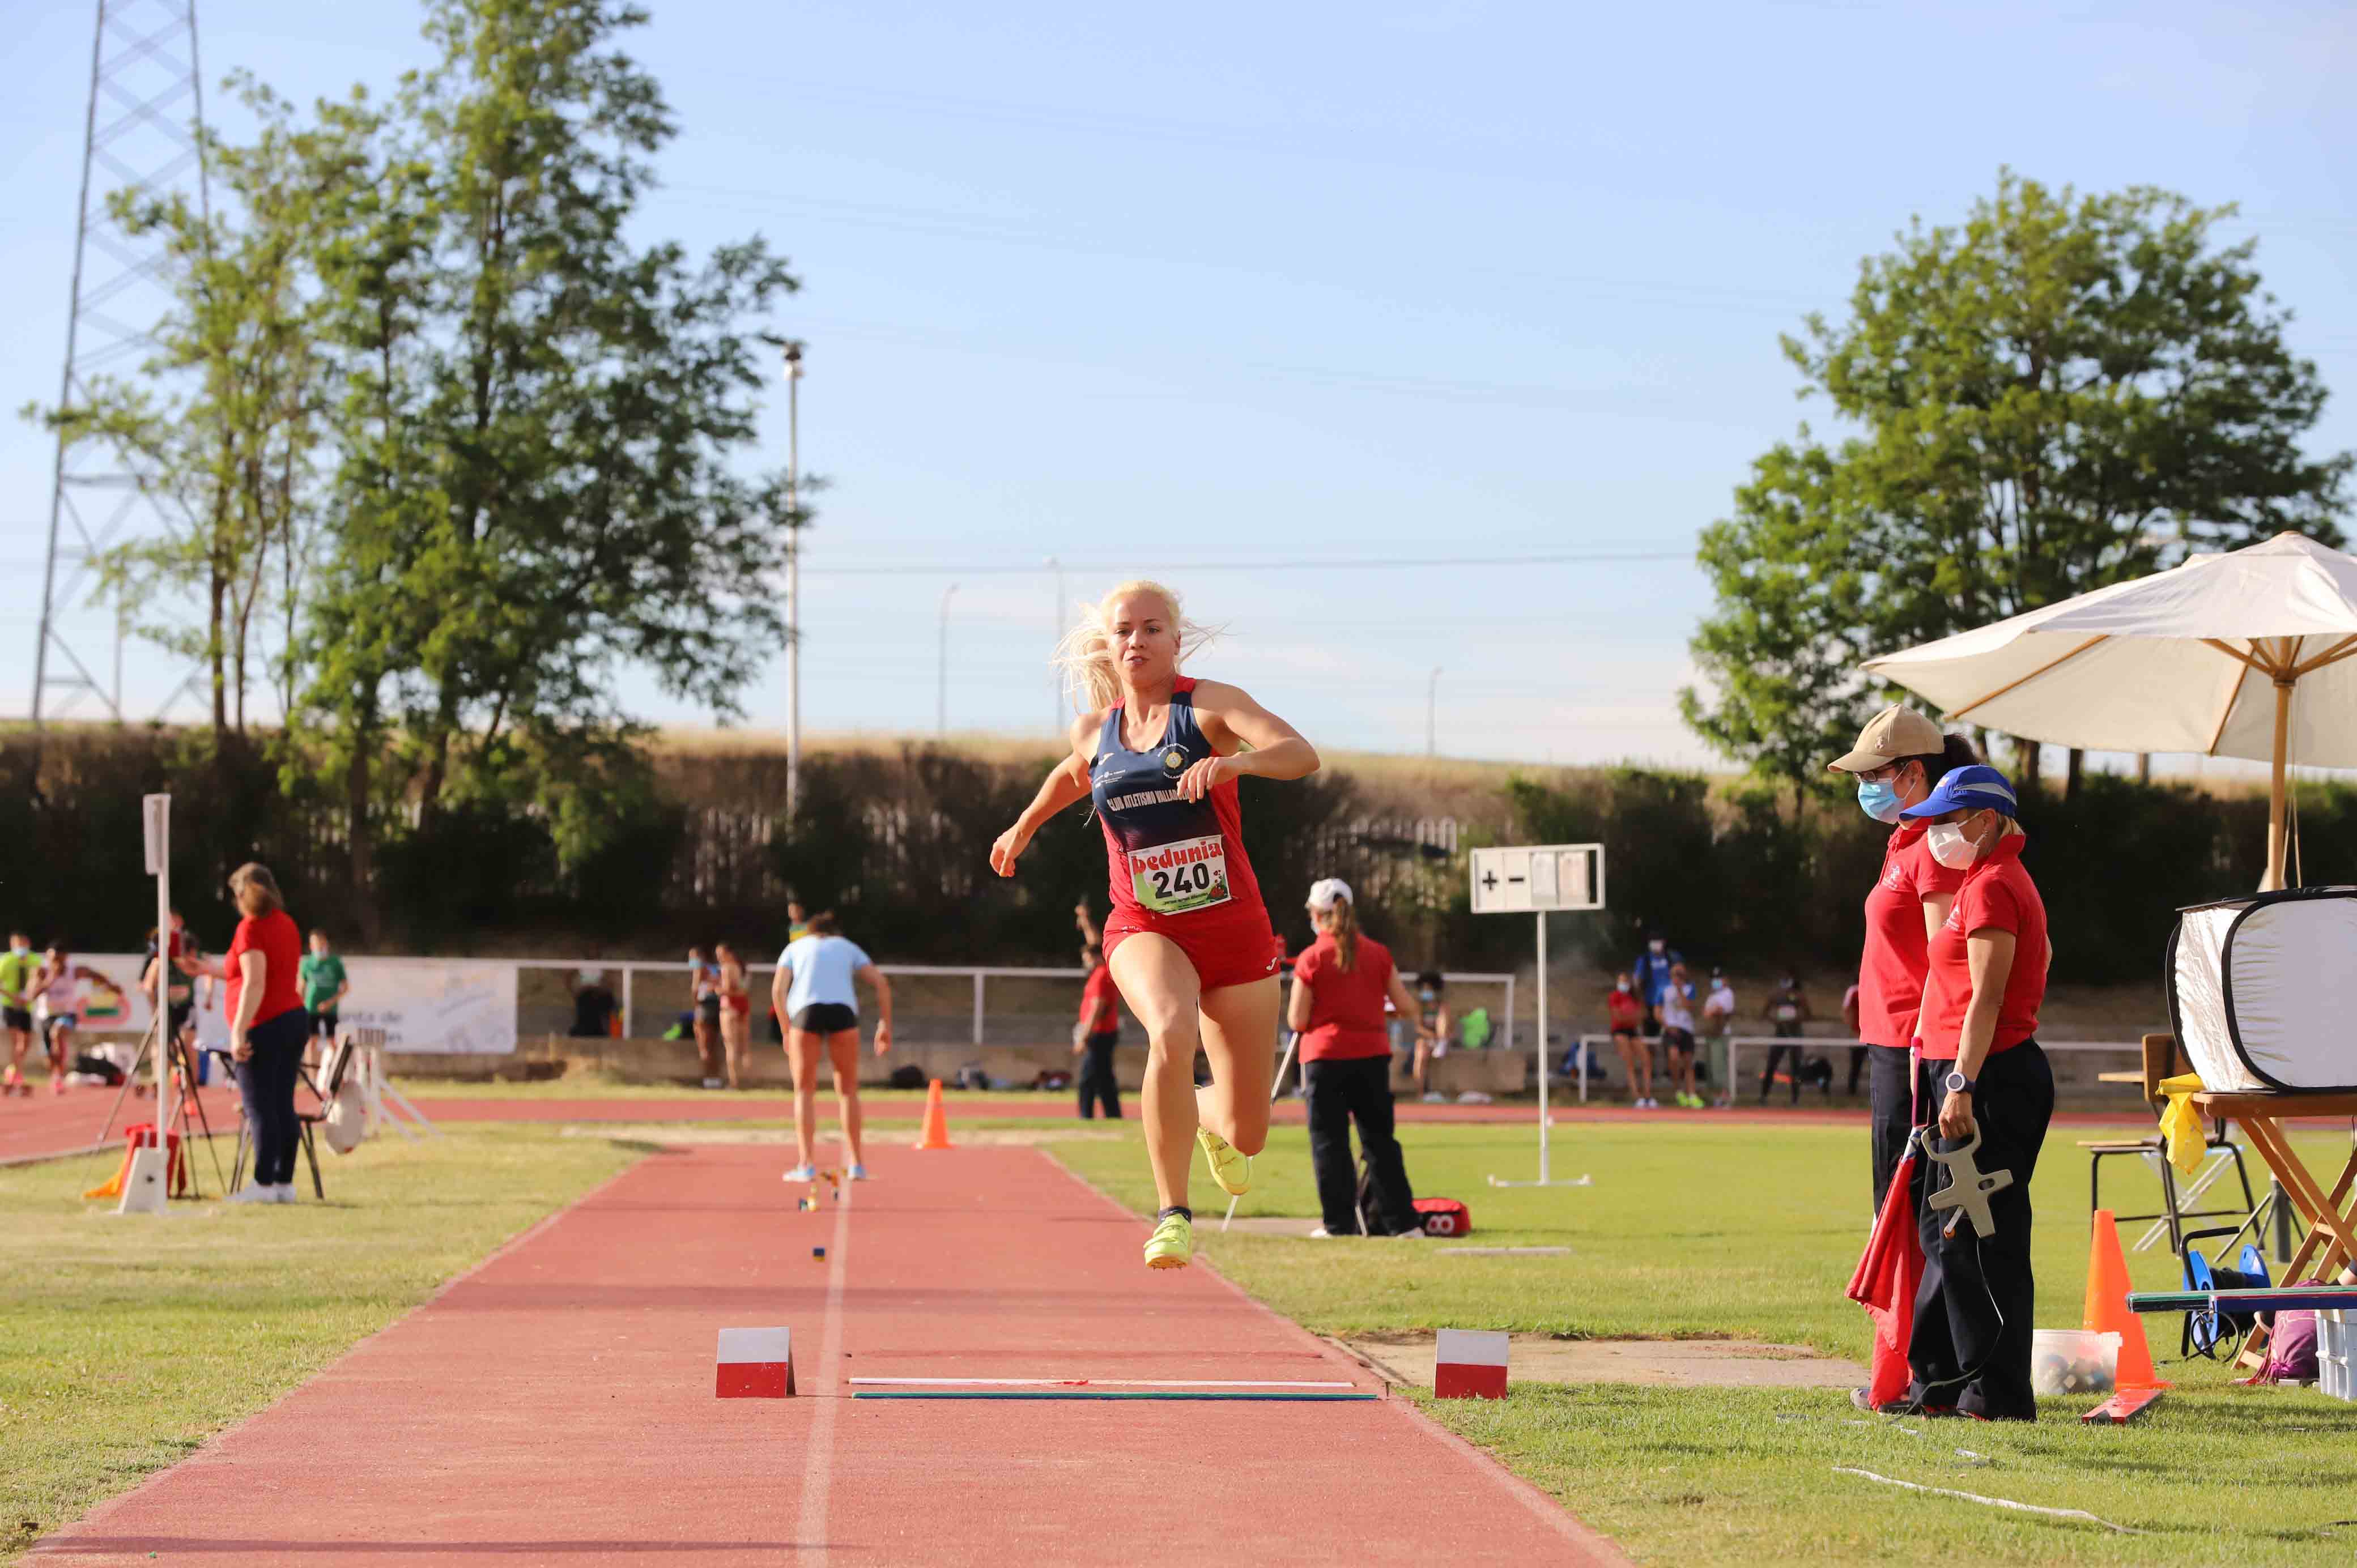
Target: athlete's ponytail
1342 925
1085 654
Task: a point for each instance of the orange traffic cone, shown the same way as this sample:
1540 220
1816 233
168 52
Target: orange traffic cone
936 1133
2107 1306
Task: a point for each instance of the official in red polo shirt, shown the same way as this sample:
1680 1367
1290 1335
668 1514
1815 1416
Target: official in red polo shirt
1900 758
1983 1069
1339 986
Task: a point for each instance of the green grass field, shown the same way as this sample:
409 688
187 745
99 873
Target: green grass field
1752 1233
125 1343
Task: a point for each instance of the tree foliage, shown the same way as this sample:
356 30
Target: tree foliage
537 485
2060 392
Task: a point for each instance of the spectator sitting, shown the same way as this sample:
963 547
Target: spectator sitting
1718 1023
594 1008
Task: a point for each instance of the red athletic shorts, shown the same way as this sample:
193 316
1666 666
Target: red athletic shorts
1226 948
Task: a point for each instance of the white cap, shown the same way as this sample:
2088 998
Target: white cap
1331 891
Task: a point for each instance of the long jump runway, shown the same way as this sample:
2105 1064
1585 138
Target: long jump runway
556 1405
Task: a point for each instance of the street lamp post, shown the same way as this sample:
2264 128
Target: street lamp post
793 582
1432 715
941 702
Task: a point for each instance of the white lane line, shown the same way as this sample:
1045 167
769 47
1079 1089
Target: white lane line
818 1469
1105 1382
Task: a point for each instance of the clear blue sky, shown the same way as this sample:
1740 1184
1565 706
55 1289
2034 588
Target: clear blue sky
1138 288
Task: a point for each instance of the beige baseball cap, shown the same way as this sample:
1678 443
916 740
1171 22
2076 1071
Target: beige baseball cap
1897 731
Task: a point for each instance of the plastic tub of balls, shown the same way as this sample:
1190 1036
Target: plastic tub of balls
2073 1361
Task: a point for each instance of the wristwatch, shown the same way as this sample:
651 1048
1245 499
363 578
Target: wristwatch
1957 1083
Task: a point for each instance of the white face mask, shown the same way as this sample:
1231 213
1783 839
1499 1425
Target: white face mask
1952 846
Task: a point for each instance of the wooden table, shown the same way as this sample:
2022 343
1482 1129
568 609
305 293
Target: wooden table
2331 1241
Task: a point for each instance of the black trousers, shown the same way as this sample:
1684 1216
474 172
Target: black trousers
1357 1088
265 1081
1097 1082
1978 1302
1892 1117
1777 1054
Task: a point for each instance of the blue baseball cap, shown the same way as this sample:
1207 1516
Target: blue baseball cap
1970 787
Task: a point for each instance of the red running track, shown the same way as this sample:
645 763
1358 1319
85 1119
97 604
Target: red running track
556 1405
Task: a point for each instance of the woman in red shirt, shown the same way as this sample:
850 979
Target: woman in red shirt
268 1027
1340 987
1981 1068
1900 757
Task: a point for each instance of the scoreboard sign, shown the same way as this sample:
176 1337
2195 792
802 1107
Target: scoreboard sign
1524 880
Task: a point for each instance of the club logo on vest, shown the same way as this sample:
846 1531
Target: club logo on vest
1173 761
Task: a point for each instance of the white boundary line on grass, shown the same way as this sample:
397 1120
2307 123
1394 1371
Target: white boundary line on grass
1993 1502
818 1470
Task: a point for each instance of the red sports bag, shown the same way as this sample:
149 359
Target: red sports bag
1445 1217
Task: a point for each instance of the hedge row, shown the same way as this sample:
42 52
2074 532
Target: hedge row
899 844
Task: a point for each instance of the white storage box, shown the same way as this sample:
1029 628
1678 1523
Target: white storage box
2334 1327
2262 990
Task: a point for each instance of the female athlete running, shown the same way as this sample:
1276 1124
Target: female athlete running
1189 940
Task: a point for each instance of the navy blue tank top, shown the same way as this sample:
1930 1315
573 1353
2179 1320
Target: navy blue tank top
1167 855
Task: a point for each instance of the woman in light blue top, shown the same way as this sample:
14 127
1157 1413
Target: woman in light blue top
812 991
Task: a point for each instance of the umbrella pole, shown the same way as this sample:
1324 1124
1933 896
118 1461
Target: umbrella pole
2275 879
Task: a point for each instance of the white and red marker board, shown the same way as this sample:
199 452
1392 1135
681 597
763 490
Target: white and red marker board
1471 1364
756 1364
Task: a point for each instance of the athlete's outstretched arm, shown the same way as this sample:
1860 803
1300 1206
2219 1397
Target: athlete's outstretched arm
1277 750
1066 784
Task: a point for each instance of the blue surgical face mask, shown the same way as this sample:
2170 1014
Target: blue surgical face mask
1879 801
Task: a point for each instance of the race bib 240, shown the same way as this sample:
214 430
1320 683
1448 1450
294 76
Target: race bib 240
1173 878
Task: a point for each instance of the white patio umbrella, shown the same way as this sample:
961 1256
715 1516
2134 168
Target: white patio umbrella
2182 660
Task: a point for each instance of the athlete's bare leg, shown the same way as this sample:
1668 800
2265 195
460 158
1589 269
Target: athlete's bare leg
1159 986
1240 1038
707 1046
802 1056
735 1040
842 1053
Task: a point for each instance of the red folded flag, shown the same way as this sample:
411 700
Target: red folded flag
1888 1274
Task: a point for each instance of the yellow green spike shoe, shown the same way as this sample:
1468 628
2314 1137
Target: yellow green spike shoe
1172 1245
1230 1169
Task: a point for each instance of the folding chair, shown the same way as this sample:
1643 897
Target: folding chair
2163 1059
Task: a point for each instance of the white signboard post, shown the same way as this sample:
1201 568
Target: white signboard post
1526 879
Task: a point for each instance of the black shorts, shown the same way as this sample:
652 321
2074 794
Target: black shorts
323 1021
177 1014
1677 1039
708 1008
827 1018
16 1018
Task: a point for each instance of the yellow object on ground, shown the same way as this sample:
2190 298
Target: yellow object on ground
2182 1125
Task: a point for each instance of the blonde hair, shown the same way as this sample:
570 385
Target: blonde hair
254 876
1341 921
1092 679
